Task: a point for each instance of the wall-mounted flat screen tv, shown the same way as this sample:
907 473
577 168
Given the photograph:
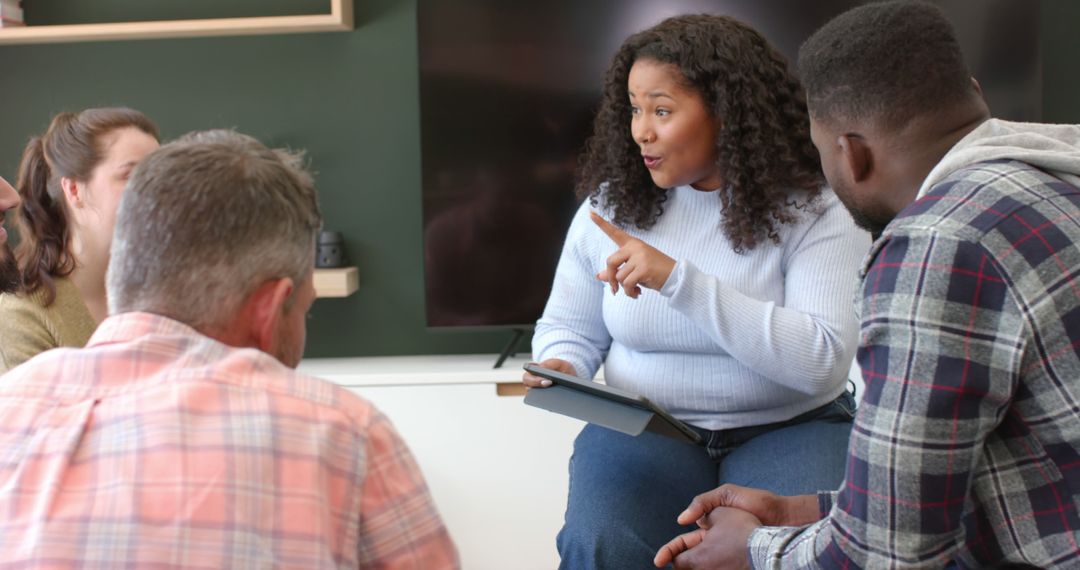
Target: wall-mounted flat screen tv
507 93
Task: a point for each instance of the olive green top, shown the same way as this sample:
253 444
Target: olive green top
27 328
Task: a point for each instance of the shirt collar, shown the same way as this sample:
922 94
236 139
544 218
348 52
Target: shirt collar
126 327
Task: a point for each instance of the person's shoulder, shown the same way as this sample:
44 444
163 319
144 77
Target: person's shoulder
22 305
599 202
321 399
34 366
582 229
810 208
68 315
815 214
338 397
67 295
29 308
979 197
25 327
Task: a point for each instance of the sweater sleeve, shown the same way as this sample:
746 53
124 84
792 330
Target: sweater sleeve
806 344
24 332
572 327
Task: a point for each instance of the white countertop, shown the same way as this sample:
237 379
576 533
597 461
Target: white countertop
415 370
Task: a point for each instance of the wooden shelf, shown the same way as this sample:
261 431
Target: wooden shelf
338 282
340 19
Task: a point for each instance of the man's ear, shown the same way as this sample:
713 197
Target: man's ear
978 88
856 156
264 310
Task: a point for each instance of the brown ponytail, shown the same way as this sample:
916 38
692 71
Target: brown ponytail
69 149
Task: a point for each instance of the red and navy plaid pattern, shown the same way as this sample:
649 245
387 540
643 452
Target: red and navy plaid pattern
158 447
966 446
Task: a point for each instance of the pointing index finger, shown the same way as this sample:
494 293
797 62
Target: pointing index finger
618 236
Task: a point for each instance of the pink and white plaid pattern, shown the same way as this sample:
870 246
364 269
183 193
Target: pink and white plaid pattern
158 447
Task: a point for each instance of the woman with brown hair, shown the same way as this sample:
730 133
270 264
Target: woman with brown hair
737 266
70 182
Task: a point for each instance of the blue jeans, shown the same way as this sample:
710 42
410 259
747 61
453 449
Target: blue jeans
625 492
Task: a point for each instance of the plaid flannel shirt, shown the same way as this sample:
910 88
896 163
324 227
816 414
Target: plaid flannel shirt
966 446
158 447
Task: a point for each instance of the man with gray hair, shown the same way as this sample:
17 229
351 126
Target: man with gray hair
182 436
9 270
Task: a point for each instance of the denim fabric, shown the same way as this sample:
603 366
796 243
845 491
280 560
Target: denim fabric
625 492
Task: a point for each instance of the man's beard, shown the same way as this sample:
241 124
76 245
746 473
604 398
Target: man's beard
872 222
868 223
9 270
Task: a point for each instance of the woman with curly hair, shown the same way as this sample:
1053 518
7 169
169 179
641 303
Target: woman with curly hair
737 271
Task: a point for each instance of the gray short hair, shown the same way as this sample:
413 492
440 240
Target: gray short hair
206 220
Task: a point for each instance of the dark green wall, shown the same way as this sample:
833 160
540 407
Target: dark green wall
350 99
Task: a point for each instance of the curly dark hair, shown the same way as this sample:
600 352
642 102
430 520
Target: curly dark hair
764 150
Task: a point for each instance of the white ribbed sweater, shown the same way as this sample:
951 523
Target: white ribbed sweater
731 340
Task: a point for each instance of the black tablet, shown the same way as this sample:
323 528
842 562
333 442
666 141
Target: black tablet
667 424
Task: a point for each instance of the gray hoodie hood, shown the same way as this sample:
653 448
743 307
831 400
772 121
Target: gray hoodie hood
1053 148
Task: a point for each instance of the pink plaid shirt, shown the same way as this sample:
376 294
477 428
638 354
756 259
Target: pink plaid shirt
158 447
